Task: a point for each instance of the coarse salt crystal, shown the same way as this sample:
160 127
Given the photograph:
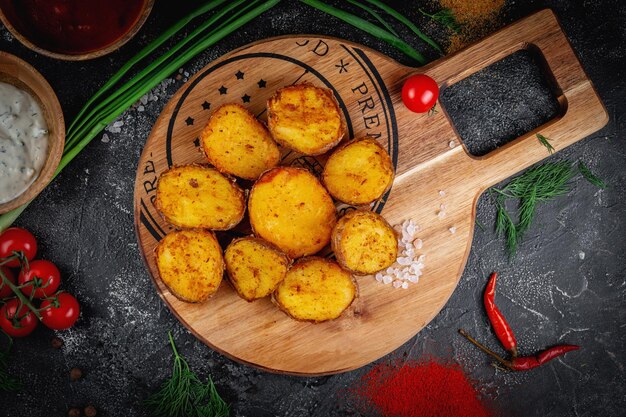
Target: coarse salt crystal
390 270
119 123
379 277
409 252
441 214
140 108
452 230
418 244
403 261
421 258
397 273
416 268
442 193
105 138
411 229
397 284
405 285
452 144
414 278
387 279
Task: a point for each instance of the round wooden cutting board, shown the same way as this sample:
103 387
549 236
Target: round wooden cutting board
428 156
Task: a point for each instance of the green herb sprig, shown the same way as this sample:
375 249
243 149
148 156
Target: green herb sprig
545 142
375 15
445 17
368 27
589 176
542 183
185 395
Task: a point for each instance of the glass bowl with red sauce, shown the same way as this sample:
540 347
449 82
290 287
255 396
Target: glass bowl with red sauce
74 30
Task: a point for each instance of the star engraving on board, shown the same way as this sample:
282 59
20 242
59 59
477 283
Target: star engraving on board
206 105
246 98
262 83
196 142
239 75
189 121
343 67
223 90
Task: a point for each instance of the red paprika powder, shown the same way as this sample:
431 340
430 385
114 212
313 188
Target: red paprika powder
426 389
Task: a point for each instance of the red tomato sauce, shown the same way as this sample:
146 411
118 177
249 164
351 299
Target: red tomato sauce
72 26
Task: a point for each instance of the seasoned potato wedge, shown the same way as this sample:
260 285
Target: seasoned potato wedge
190 264
305 118
315 289
255 267
359 172
364 242
236 143
289 208
194 196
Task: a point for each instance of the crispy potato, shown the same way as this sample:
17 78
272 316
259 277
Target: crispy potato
255 267
364 243
194 196
359 172
236 143
289 208
305 118
315 289
190 264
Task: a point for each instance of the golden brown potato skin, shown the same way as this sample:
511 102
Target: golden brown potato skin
195 196
289 208
305 118
359 172
190 264
316 290
236 143
255 267
364 243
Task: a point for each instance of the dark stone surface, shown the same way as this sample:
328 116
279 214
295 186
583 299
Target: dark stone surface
567 283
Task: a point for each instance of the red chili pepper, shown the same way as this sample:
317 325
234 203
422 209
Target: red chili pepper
498 322
523 363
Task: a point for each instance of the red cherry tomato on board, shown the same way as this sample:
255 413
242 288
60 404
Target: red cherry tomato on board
26 323
420 93
43 276
62 314
17 239
5 291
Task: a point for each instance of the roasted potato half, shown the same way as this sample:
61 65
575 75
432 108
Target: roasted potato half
359 172
289 208
255 267
190 264
195 196
364 243
236 143
315 289
305 118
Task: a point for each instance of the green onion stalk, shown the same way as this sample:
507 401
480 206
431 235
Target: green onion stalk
93 118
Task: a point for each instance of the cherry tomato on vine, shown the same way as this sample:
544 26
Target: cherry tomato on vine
44 278
62 313
26 324
5 291
17 239
420 93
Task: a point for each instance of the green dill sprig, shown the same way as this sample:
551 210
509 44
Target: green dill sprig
544 141
445 17
589 176
185 395
542 183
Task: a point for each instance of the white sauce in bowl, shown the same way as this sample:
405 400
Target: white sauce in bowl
23 141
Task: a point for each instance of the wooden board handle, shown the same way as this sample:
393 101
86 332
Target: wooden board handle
582 112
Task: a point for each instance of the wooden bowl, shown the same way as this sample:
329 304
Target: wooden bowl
22 75
145 12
